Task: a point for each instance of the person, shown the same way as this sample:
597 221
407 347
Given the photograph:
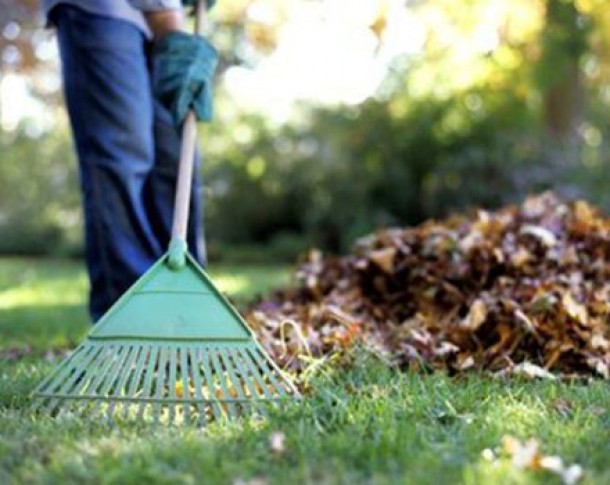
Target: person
130 74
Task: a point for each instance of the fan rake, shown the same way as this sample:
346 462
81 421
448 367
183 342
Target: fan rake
172 349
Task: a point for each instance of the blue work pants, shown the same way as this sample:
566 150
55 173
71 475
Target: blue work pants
128 149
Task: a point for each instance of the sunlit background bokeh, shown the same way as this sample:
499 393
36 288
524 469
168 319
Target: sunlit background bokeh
335 117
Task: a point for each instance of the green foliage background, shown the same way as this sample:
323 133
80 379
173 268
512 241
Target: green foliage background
532 115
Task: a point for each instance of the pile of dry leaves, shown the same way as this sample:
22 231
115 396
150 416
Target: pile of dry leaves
525 288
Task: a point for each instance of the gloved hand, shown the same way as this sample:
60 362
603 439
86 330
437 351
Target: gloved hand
183 67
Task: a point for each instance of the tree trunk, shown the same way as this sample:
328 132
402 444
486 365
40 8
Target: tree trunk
564 41
563 106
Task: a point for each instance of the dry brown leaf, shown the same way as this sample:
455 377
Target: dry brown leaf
384 258
545 236
520 258
476 315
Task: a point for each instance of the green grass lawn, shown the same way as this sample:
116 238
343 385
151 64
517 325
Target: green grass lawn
364 424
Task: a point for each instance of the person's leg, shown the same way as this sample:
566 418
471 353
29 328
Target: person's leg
109 100
161 186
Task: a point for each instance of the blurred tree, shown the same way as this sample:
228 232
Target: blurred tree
39 202
477 113
460 123
563 43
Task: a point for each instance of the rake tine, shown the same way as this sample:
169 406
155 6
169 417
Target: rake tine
135 379
186 384
171 392
241 394
91 390
111 376
161 368
84 378
244 377
107 376
228 365
196 376
148 379
61 371
59 379
289 387
138 356
221 377
256 374
209 378
121 374
263 365
92 356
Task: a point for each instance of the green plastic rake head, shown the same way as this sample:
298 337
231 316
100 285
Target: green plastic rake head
172 348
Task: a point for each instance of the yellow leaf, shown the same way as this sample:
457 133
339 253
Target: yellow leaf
584 212
574 309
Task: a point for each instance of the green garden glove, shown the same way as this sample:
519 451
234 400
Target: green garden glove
183 67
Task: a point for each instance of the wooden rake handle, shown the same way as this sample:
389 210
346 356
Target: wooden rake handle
187 155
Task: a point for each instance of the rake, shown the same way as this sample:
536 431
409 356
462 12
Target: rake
172 349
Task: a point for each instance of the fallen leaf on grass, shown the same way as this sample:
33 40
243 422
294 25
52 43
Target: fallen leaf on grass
179 390
13 354
562 406
523 455
568 474
527 369
528 456
597 410
277 442
252 481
